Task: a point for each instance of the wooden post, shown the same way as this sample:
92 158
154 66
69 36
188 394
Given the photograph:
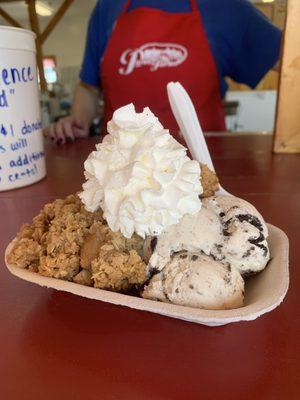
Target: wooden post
34 23
9 19
40 37
55 20
287 130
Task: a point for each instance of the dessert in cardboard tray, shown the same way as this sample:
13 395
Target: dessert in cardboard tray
147 223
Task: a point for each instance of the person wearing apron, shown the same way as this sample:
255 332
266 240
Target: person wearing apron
148 49
134 51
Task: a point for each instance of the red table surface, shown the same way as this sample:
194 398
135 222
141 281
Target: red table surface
54 345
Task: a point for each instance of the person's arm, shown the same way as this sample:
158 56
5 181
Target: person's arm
86 97
256 47
77 125
85 106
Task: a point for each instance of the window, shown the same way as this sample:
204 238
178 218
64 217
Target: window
50 69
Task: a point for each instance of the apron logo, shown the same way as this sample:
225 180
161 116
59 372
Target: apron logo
155 55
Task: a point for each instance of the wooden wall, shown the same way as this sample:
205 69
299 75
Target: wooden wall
287 131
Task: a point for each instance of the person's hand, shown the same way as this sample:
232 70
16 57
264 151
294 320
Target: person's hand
68 128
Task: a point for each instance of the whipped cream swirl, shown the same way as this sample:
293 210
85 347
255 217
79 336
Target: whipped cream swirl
140 176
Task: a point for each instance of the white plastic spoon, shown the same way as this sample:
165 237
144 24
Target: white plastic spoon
186 117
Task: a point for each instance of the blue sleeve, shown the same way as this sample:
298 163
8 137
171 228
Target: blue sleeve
100 28
95 44
258 49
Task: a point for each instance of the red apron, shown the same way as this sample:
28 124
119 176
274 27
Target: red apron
149 48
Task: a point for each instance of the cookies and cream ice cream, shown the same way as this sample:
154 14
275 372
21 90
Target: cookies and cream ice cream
226 228
196 280
198 232
140 176
244 245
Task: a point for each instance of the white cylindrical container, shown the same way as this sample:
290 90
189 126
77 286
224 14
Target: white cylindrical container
22 158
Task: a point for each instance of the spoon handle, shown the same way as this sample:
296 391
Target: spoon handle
186 117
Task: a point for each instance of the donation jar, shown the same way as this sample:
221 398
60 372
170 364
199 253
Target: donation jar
22 157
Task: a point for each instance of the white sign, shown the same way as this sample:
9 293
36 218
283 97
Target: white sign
22 158
155 55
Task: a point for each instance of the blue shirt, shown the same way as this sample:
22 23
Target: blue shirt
244 43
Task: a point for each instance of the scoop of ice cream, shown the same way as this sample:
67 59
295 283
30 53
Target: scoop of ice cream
140 176
196 280
198 232
227 228
244 230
